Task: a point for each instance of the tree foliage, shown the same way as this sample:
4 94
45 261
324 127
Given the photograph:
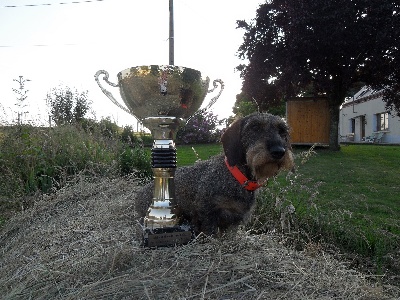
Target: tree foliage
244 105
322 47
67 106
201 128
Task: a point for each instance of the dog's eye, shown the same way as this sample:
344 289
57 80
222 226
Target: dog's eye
282 131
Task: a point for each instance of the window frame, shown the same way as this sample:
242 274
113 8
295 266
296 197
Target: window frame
382 121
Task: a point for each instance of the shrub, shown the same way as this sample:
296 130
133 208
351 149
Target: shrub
108 128
128 136
67 106
200 129
135 160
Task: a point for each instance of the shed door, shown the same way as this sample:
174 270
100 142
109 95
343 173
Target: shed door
309 121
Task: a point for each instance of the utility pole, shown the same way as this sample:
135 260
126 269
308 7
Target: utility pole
171 32
21 97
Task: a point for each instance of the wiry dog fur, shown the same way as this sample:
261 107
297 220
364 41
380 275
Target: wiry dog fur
207 195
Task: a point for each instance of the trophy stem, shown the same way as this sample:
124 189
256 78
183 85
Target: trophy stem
160 224
160 213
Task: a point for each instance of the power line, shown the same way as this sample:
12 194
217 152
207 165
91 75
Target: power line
49 4
38 45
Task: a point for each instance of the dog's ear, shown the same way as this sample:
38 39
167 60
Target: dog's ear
232 144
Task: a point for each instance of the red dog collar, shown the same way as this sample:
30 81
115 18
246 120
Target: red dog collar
250 185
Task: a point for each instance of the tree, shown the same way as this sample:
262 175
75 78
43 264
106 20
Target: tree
244 105
322 47
67 106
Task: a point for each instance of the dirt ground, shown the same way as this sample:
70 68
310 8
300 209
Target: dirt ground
80 244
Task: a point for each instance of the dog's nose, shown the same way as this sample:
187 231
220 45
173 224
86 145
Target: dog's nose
277 152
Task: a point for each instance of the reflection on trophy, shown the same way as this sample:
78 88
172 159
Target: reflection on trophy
163 98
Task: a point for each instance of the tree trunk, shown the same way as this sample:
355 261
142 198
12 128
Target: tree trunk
334 110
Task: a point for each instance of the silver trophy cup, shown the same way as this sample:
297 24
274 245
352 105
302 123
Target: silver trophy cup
163 98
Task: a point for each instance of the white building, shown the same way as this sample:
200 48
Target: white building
364 118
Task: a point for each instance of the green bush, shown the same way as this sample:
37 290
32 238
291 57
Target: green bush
135 160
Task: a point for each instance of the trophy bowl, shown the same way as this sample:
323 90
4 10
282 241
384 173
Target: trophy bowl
160 90
162 97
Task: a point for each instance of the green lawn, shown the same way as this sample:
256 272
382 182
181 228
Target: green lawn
186 154
364 179
356 174
359 192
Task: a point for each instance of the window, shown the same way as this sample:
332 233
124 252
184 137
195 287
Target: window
363 93
382 121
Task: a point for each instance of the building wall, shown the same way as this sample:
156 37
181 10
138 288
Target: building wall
355 113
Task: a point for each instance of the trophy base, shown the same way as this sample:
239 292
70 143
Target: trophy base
167 236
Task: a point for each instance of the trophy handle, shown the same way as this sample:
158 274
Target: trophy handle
107 93
215 98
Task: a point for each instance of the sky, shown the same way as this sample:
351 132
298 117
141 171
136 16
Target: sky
61 45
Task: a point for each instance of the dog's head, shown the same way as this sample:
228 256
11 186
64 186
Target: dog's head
260 141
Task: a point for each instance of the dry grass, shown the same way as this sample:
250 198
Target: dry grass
79 244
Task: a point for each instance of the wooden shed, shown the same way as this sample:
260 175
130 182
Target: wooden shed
309 120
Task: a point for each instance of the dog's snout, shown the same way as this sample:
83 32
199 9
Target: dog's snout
277 152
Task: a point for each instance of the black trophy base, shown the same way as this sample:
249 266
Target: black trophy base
168 236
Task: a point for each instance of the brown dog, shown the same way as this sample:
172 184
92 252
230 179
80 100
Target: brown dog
218 193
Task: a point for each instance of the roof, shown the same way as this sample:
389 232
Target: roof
363 95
